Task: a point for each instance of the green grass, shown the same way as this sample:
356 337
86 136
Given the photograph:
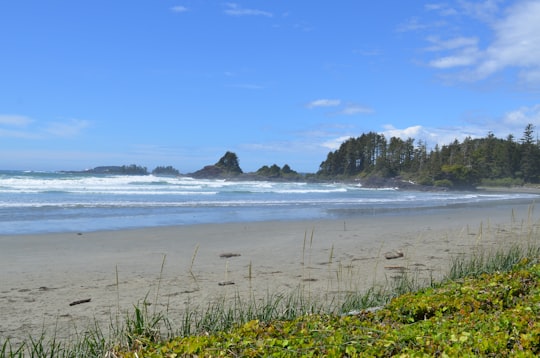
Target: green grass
482 307
489 315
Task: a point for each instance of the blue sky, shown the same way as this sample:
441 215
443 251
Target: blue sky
169 82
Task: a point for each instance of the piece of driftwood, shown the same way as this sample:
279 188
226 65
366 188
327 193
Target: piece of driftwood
78 302
226 283
227 255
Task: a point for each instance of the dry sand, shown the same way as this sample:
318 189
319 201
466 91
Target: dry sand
42 274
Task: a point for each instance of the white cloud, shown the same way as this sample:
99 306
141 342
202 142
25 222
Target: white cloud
451 44
236 10
515 44
347 110
465 51
335 143
179 9
323 103
409 132
523 116
14 120
466 57
433 136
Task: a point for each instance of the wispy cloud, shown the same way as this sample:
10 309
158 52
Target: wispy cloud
512 122
431 136
517 119
442 9
17 126
179 9
14 120
465 57
486 10
464 51
416 24
69 128
515 44
437 44
323 103
352 109
347 109
234 9
412 24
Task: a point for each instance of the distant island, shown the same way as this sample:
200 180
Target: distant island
227 167
112 170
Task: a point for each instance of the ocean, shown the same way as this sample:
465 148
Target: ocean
45 202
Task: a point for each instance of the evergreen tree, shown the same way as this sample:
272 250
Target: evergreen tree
229 162
529 155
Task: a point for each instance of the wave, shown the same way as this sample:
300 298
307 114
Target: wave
133 185
408 200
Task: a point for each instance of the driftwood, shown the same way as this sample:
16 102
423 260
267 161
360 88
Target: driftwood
78 302
226 283
227 255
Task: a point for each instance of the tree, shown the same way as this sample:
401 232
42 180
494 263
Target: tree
529 155
461 164
229 163
169 170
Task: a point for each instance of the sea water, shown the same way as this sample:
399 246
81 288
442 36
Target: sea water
39 202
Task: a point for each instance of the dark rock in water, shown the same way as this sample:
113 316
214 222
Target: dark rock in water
209 172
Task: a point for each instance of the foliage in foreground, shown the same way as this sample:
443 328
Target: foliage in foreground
490 315
487 314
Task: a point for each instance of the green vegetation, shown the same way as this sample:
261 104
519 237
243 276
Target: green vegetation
275 172
480 314
169 170
466 164
115 170
492 315
229 163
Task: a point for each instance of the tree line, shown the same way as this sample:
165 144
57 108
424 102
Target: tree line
489 160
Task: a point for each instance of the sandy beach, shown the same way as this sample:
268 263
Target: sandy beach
41 275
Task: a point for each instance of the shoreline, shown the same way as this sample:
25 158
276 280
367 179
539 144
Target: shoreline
42 274
330 213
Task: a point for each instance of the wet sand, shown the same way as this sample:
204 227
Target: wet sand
41 275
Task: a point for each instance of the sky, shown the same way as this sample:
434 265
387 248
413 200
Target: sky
180 82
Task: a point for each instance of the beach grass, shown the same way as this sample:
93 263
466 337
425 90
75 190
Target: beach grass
146 328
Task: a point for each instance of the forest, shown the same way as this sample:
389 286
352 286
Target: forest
472 162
